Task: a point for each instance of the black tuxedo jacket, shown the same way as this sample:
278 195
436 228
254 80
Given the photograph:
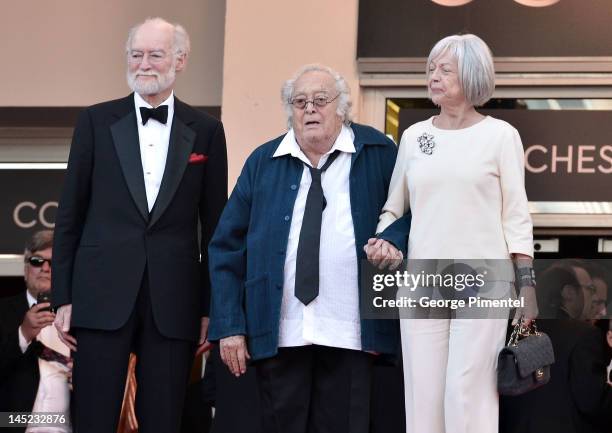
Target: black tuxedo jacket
577 399
105 237
19 375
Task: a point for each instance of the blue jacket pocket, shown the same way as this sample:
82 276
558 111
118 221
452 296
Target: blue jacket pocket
258 306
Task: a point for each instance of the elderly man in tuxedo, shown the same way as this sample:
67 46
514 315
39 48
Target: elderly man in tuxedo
35 367
146 183
285 257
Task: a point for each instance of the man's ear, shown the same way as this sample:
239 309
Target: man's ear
181 62
569 291
569 295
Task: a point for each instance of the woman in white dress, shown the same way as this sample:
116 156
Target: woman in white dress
461 174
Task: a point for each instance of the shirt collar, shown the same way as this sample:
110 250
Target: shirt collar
31 299
289 145
140 102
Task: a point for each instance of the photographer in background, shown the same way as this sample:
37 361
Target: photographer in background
34 366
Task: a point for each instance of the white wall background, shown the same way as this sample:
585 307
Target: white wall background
265 43
71 52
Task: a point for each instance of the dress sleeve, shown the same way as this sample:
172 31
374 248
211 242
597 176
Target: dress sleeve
516 220
398 200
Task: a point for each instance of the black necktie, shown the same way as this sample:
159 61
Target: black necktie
160 114
307 261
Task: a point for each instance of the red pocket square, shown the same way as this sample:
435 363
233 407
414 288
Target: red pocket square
197 158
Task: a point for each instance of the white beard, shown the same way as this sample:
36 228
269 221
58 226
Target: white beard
161 83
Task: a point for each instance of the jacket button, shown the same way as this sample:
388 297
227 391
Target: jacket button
293 187
287 217
279 286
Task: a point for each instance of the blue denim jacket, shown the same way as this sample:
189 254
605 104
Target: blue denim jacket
247 251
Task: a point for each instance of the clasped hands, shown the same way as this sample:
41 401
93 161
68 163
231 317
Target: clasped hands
383 254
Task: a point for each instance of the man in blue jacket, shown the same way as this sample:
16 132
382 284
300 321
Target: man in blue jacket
285 260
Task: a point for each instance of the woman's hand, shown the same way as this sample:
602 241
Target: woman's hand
383 254
530 308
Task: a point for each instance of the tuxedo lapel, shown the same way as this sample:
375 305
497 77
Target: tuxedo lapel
127 145
182 139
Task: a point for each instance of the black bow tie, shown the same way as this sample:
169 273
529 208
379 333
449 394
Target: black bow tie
160 114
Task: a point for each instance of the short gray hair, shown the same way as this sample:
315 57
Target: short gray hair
344 91
40 240
181 44
475 62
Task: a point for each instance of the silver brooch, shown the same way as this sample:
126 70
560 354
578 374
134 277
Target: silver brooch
426 143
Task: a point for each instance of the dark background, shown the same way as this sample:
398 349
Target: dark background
16 186
410 28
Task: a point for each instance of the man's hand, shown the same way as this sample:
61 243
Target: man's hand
203 343
35 320
530 310
234 353
383 254
62 323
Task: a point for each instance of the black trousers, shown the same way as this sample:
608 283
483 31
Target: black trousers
100 368
316 389
237 399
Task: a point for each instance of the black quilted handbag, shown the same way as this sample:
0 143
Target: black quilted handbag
524 364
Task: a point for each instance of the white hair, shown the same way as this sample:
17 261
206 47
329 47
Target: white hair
181 45
475 63
344 91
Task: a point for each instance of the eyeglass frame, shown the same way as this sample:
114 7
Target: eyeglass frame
592 289
39 261
312 101
154 56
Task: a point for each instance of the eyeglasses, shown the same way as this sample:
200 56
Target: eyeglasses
589 288
152 56
37 261
320 101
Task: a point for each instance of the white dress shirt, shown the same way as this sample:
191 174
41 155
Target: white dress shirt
332 319
23 343
154 138
53 394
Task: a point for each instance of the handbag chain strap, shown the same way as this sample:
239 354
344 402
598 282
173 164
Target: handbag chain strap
521 330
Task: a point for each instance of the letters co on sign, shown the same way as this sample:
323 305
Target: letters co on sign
531 3
30 195
27 214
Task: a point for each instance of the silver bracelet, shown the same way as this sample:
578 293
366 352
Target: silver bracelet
525 277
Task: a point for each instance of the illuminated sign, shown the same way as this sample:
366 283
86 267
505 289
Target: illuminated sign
568 153
512 28
537 3
531 3
29 203
451 2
